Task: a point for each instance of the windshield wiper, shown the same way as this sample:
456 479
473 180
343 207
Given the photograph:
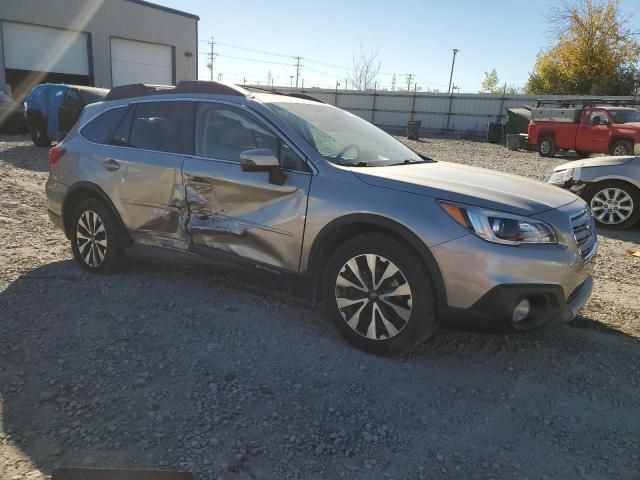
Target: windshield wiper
409 161
357 164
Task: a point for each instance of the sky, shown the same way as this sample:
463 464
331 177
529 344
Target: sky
409 36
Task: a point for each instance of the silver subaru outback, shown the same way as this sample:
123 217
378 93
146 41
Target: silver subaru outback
391 241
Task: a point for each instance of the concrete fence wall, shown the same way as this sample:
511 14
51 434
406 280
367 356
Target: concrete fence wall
464 114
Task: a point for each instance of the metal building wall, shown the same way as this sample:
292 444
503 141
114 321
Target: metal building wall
104 19
467 114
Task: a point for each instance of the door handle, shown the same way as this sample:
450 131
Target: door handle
110 164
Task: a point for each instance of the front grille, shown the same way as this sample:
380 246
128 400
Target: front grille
584 231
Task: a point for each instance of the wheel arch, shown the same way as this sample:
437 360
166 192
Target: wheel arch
542 134
78 192
351 225
616 178
620 138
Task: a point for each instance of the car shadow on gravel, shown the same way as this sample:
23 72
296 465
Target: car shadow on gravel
164 366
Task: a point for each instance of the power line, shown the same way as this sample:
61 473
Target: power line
255 50
253 60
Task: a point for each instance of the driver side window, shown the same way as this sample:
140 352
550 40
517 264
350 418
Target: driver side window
224 132
596 113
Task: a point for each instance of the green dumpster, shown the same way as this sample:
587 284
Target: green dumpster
517 120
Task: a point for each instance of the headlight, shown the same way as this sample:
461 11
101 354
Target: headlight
499 227
561 177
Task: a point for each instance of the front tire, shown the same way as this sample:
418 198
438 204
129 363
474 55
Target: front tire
379 295
97 239
547 147
614 204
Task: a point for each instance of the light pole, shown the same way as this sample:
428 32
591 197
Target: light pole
453 62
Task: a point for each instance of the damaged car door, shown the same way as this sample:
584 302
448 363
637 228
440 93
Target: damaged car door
252 214
148 148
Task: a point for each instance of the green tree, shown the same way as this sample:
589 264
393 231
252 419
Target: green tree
490 82
596 52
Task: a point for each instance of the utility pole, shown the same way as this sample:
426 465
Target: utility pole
220 77
346 84
453 62
291 83
409 77
337 84
297 70
211 57
303 84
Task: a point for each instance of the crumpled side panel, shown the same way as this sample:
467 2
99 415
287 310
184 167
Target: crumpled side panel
246 216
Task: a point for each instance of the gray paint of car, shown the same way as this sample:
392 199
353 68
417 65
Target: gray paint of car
407 197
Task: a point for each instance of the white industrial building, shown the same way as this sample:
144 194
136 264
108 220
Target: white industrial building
95 42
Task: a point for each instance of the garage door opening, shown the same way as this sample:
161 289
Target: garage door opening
34 54
141 62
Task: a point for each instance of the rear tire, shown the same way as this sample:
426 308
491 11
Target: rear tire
614 204
389 312
621 148
547 147
97 238
39 135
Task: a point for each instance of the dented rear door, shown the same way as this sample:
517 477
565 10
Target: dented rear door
241 213
148 151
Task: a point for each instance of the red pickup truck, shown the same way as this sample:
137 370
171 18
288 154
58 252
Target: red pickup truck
602 129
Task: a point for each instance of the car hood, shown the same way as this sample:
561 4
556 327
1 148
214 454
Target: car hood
595 162
471 185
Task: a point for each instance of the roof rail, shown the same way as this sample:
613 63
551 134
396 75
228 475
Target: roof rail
136 90
303 96
185 86
204 86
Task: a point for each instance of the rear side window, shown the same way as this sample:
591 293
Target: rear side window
158 126
99 129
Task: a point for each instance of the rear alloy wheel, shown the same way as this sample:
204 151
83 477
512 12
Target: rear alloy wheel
379 295
547 147
91 238
621 148
97 239
614 204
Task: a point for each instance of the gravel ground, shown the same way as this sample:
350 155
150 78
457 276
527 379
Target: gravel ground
168 366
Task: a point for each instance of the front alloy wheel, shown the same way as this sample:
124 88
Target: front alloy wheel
612 206
91 238
373 296
379 294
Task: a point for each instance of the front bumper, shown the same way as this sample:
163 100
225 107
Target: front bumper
549 306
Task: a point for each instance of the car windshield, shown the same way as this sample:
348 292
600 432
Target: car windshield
625 116
342 137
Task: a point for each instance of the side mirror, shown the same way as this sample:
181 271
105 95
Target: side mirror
597 120
262 160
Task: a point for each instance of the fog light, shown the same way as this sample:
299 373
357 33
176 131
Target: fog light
521 312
